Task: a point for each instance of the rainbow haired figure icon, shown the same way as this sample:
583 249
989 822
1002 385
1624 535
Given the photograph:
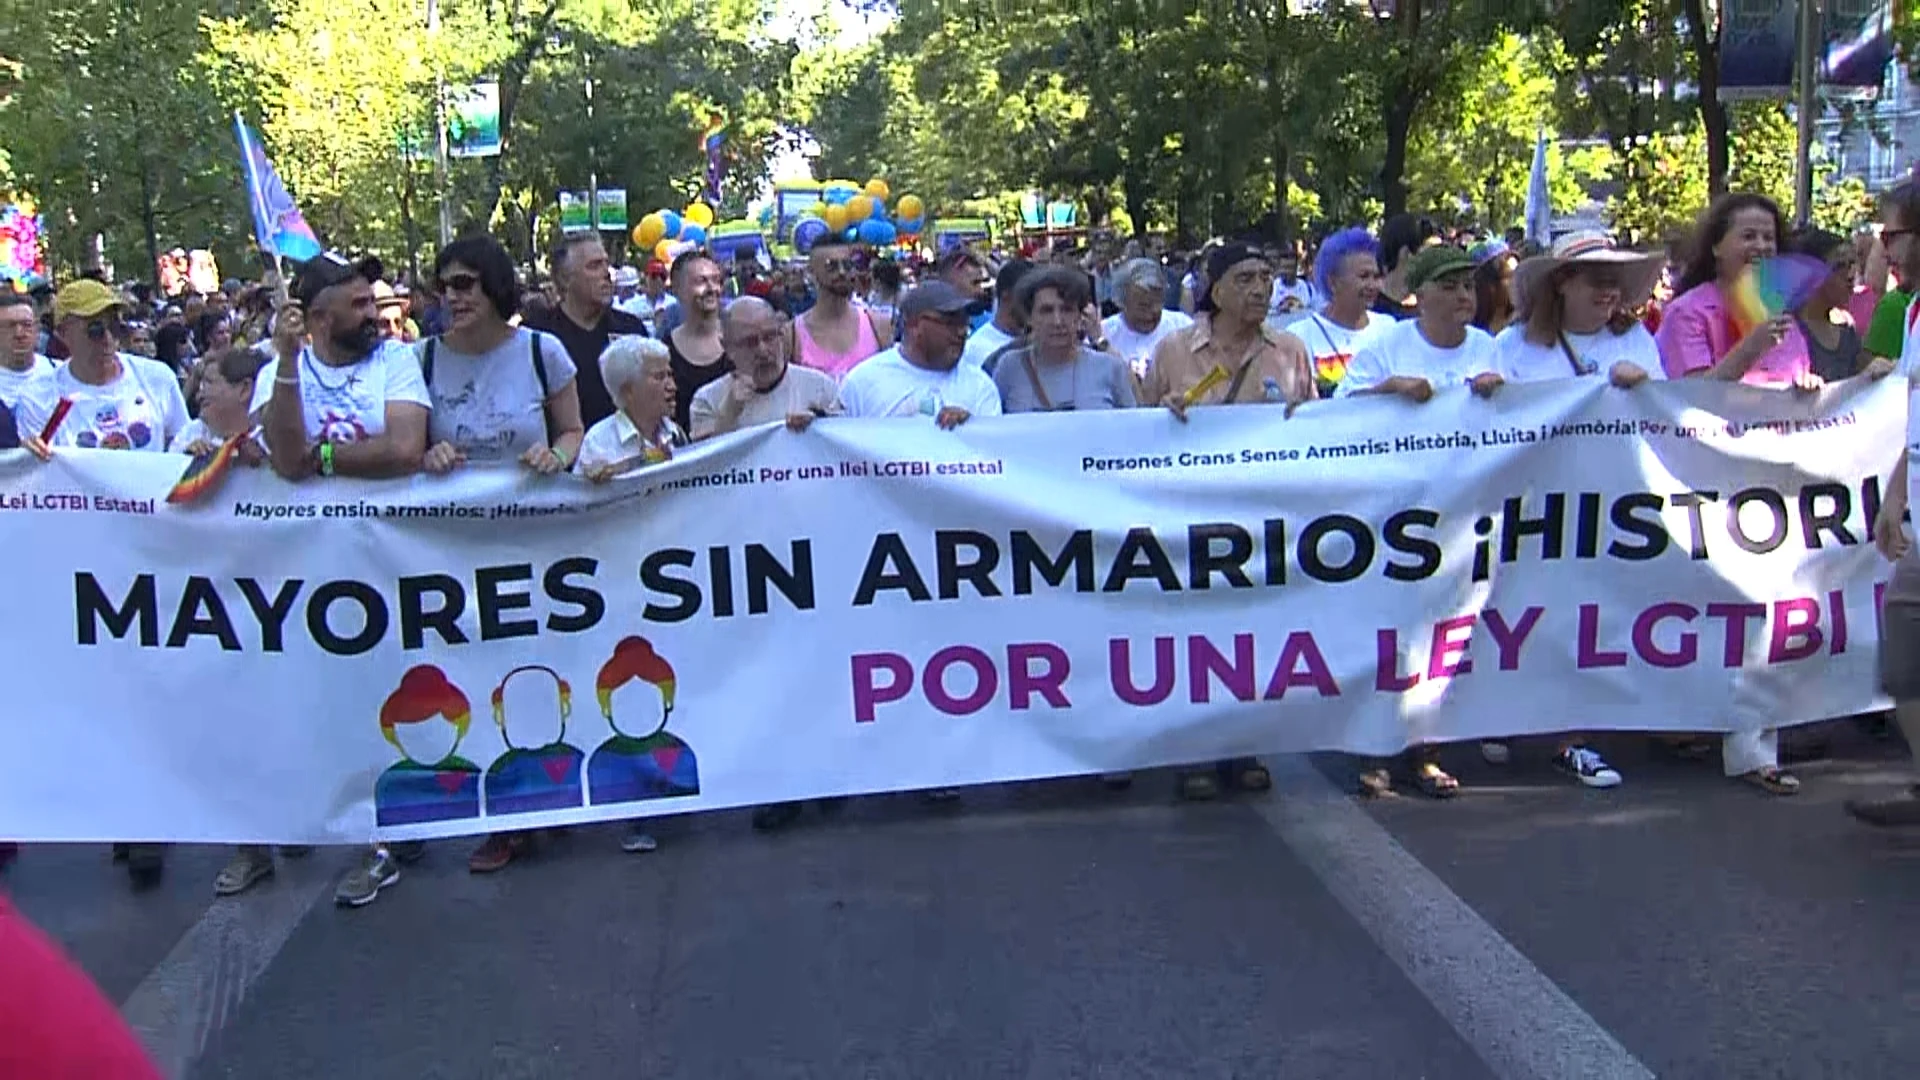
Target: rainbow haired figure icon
634 769
411 791
525 779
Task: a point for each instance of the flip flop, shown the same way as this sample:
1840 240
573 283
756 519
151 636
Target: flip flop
1435 782
1773 781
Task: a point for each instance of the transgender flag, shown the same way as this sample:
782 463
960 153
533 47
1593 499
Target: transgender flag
277 225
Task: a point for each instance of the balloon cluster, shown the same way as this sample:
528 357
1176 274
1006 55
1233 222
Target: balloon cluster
669 235
855 214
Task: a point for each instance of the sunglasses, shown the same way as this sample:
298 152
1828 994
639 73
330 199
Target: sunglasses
841 265
100 329
459 282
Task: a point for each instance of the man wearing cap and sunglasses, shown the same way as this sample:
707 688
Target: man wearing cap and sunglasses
119 401
349 402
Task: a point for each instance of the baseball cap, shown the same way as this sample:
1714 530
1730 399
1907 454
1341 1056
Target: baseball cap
84 299
931 297
1436 262
323 272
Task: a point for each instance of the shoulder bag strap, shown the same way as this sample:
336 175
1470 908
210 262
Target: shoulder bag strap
1033 380
540 373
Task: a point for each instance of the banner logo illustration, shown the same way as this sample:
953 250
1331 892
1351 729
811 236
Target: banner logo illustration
412 791
526 779
657 765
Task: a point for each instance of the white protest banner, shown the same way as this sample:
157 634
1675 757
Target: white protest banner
879 605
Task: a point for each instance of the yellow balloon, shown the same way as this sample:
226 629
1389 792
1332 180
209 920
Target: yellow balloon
700 214
911 207
836 217
859 208
651 230
663 251
877 188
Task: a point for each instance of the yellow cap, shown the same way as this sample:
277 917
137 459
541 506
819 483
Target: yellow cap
84 299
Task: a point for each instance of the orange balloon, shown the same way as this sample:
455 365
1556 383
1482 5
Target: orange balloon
877 188
859 208
663 251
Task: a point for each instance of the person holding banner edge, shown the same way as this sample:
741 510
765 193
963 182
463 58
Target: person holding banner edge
1229 356
1900 617
1438 347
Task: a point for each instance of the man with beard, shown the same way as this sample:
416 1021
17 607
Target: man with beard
763 388
585 319
350 403
835 335
694 348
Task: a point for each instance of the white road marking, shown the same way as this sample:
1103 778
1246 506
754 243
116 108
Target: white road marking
1519 1021
189 996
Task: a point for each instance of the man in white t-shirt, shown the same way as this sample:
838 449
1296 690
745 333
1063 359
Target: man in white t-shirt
19 333
1143 321
1438 349
348 403
924 375
1008 320
1292 294
117 401
764 387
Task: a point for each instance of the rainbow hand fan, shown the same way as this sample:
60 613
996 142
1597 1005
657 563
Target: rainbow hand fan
205 471
1772 287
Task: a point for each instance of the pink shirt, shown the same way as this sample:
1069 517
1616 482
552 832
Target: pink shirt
809 353
1696 332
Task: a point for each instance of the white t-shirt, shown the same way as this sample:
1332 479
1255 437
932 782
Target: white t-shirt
1137 348
800 390
1332 347
347 404
885 384
983 343
1520 360
140 410
1401 349
1279 312
12 382
198 431
490 406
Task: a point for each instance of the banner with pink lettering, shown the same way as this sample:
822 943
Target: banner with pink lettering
873 606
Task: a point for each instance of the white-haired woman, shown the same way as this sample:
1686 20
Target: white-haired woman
1140 288
639 378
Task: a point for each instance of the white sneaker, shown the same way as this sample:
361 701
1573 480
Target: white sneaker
1495 751
1587 766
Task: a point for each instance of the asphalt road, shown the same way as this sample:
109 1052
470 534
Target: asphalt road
1681 925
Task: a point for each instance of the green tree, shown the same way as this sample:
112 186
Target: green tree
114 136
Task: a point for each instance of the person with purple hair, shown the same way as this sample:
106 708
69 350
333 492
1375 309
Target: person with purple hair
1347 272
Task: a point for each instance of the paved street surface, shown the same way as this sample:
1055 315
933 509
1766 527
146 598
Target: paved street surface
1681 925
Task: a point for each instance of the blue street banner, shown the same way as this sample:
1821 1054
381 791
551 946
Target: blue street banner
1858 46
1756 48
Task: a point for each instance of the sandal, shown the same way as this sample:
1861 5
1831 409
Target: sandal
1773 780
1435 782
1198 786
1248 774
1376 783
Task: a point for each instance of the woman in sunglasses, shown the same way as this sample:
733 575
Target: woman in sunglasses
501 393
1055 371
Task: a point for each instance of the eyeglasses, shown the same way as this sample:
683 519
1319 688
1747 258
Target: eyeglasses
459 282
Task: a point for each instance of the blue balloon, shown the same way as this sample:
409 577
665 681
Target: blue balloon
913 227
835 196
879 210
807 232
693 234
851 234
888 234
673 224
873 232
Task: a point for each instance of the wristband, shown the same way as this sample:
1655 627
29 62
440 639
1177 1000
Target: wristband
326 459
566 462
287 380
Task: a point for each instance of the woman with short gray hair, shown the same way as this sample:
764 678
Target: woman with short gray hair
1139 287
638 374
1054 371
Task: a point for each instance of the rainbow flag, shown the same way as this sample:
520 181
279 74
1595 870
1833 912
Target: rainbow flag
1771 287
205 472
